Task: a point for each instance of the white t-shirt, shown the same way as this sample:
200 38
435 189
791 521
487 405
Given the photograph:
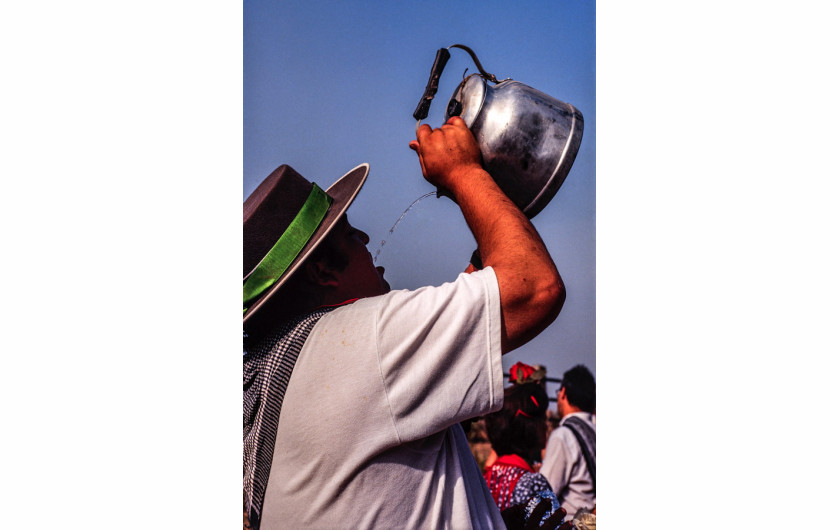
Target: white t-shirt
565 468
368 435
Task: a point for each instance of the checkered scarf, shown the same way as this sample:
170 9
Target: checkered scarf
267 366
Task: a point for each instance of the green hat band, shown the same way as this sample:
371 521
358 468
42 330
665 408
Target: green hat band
287 248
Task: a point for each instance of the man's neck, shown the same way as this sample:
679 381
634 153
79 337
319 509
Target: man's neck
569 409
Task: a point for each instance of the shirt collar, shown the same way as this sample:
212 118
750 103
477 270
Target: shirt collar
588 416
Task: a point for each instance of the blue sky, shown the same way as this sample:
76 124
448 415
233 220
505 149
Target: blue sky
328 85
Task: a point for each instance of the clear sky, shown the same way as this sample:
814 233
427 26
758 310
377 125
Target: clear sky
329 85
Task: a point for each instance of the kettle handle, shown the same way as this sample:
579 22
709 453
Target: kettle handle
422 110
484 73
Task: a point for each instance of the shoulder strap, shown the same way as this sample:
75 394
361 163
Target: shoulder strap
585 436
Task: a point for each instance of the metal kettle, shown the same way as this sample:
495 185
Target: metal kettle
528 139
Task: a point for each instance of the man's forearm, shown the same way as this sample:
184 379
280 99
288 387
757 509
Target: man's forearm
531 289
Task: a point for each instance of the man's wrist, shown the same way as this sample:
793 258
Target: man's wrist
464 179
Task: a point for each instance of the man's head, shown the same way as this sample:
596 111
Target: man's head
577 391
299 249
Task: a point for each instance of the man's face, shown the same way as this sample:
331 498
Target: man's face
561 400
360 279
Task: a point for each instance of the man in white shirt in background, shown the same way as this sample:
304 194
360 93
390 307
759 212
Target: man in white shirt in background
569 463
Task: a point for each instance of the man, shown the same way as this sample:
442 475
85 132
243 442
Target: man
362 430
569 463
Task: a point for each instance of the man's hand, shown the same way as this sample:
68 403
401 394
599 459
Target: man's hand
447 155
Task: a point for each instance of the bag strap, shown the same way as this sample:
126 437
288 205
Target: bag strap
584 446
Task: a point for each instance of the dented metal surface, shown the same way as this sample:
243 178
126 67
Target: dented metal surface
528 139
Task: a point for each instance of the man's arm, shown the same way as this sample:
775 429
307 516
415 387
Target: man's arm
532 292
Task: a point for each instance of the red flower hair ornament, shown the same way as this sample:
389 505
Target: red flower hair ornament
521 373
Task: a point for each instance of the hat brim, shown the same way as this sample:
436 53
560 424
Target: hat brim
342 192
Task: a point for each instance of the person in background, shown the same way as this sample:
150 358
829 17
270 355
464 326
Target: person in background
517 434
521 373
569 463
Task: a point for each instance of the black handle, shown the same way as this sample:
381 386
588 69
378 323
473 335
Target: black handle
422 109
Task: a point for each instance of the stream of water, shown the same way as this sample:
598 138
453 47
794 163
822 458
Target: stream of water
391 231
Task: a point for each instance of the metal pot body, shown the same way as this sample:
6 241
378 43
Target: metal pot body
528 139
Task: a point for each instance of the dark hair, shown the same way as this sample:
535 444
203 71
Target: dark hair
580 388
296 296
519 428
330 252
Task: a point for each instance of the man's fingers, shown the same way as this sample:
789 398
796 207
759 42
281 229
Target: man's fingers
423 131
456 120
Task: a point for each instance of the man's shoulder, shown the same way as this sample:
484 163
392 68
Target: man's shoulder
563 432
466 285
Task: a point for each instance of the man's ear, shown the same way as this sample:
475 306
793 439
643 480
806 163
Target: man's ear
321 274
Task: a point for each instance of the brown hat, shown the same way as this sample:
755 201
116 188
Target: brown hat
283 221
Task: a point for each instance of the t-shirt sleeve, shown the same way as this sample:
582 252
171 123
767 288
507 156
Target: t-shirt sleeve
440 353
